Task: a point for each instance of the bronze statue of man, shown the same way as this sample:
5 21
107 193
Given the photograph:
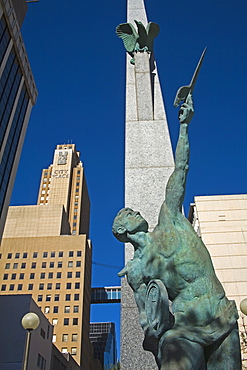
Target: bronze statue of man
187 320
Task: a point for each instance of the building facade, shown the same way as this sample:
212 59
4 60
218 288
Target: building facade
50 257
17 96
42 353
221 221
103 339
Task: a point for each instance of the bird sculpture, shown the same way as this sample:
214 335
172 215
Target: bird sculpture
140 40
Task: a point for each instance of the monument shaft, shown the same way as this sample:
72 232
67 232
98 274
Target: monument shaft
148 165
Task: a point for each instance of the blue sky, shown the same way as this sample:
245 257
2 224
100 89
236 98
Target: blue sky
79 68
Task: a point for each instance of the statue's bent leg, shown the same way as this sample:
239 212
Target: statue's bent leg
182 354
225 353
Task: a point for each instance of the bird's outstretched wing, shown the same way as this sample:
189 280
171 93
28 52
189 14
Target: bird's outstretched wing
153 30
127 32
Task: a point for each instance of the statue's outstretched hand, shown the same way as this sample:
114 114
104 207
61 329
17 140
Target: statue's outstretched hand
186 111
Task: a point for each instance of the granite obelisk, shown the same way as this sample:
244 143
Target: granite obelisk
147 169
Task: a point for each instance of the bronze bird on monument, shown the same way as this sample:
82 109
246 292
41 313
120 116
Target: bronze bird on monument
140 40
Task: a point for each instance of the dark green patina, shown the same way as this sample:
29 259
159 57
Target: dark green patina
140 40
187 320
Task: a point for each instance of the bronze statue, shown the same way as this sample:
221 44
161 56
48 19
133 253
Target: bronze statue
187 320
137 41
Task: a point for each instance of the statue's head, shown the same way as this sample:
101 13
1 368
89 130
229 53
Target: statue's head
127 222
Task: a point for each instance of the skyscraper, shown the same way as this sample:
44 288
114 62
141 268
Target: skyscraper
46 252
103 339
17 96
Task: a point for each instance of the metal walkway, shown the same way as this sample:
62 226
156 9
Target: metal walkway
106 295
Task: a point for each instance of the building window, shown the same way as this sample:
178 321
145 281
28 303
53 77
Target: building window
54 338
35 254
42 333
76 309
59 274
69 274
67 297
48 298
56 297
77 285
76 297
42 275
50 275
9 255
52 254
75 217
5 276
17 255
74 337
33 266
78 263
23 265
41 286
64 350
55 309
78 274
7 266
78 253
68 286
60 264
60 254
19 287
45 254
24 255
3 287
15 265
43 265
41 362
66 321
75 321
49 286
12 287
70 263
40 297
47 309
30 286
21 276
73 351
71 253
32 275
57 285
65 338
54 321
67 309
51 264
74 224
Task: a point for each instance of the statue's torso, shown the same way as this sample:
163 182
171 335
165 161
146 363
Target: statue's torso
175 255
